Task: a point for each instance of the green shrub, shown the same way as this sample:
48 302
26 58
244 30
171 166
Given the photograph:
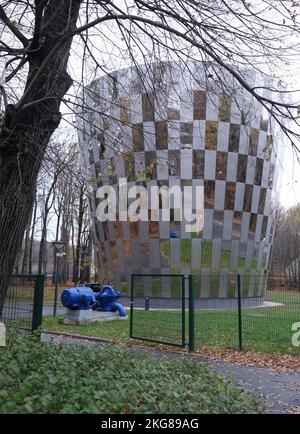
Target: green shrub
44 377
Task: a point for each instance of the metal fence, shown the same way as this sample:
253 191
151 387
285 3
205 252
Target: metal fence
272 327
261 314
157 308
251 312
23 306
52 303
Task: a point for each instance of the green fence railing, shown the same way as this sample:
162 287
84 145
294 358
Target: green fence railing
149 303
234 311
23 306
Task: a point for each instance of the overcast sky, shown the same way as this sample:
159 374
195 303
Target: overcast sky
290 180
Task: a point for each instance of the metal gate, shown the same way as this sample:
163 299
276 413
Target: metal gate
158 308
23 306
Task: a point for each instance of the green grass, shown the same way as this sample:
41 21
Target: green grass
266 329
49 378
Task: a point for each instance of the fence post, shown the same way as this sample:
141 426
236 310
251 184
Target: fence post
131 307
239 294
183 286
37 314
191 314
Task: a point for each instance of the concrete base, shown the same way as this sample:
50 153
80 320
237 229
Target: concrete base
77 317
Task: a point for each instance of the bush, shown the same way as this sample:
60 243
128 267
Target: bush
44 377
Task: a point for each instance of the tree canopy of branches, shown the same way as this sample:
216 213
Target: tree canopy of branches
38 37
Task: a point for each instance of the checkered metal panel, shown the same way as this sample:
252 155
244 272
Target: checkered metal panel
163 127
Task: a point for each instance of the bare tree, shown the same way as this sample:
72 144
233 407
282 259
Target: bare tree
35 43
81 210
46 200
30 251
286 247
25 262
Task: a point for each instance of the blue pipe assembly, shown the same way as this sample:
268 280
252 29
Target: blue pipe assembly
84 298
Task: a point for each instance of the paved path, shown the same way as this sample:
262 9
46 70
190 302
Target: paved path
280 390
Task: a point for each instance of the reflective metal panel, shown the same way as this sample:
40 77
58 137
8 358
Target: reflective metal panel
168 131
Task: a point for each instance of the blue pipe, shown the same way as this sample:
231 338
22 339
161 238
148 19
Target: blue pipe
119 307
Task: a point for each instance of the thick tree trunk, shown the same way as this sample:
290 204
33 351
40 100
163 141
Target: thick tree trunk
28 126
17 185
